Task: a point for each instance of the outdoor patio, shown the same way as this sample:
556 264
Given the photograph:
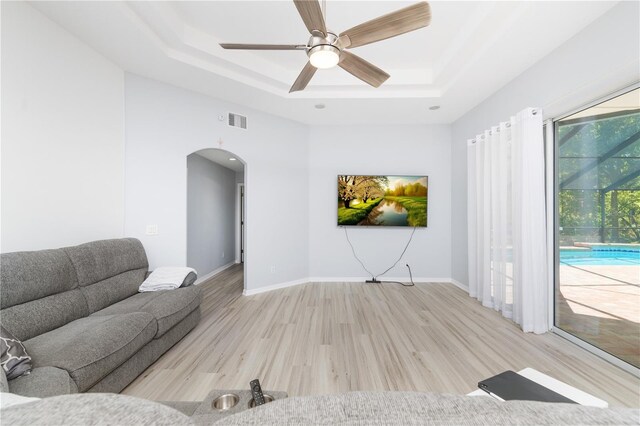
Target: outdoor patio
601 304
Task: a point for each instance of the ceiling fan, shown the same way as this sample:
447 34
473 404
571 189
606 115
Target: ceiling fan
326 49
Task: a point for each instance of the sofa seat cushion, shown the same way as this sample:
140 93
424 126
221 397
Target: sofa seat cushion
44 382
168 307
90 348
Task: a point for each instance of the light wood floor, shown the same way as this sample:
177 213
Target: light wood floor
336 337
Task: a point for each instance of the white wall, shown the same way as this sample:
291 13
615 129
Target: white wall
599 60
62 136
211 215
164 125
379 150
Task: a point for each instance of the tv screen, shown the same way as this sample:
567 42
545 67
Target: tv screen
382 200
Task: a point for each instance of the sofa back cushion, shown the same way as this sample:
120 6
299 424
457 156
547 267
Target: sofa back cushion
38 292
31 275
46 289
108 271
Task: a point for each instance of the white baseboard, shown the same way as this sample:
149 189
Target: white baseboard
214 273
385 278
251 292
309 280
459 285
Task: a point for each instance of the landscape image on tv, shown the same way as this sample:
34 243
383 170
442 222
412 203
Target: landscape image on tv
382 200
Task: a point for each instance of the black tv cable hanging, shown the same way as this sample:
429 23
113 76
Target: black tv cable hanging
374 278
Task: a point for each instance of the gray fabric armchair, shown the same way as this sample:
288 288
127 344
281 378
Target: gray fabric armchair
78 312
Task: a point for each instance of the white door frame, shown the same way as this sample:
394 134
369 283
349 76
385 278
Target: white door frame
552 226
239 243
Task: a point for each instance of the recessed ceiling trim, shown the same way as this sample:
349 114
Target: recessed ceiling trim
182 55
180 41
165 26
463 37
473 54
191 46
360 93
209 47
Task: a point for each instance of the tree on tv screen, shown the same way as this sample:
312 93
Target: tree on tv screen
360 188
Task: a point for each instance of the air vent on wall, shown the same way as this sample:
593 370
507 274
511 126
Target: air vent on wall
237 120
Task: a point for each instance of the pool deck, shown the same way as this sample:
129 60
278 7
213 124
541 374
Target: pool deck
601 304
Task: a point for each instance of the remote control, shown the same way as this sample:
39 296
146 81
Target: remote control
256 391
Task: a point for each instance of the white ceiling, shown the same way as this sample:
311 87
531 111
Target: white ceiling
470 50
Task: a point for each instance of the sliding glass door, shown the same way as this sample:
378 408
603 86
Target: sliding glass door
597 288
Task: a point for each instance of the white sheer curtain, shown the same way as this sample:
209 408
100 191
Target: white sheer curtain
507 222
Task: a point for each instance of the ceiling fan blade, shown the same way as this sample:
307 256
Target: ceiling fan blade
304 78
393 24
311 14
362 69
240 46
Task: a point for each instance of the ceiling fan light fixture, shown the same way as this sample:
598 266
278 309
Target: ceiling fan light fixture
327 49
324 56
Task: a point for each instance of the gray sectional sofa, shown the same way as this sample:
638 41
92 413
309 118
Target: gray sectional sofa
78 312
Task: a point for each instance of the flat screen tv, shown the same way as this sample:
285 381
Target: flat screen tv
382 200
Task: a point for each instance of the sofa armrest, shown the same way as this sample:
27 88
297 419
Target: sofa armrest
43 382
4 384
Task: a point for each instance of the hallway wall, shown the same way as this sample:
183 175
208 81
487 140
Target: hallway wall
211 209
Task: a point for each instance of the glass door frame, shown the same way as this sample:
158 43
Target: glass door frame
553 217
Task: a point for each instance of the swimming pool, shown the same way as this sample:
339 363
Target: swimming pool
612 256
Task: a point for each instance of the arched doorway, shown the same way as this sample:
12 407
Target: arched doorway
215 215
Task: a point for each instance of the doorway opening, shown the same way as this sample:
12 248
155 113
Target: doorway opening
216 216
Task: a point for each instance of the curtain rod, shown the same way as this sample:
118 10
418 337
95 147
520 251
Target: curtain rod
534 111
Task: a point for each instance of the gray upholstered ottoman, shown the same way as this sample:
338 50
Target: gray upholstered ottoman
97 409
221 403
354 408
416 408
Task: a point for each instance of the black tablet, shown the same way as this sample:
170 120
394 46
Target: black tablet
512 386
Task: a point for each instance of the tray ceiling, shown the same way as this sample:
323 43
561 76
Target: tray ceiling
470 50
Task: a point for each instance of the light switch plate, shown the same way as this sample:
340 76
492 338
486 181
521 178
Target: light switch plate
152 229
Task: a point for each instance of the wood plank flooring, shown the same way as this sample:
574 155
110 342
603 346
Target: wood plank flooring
322 338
